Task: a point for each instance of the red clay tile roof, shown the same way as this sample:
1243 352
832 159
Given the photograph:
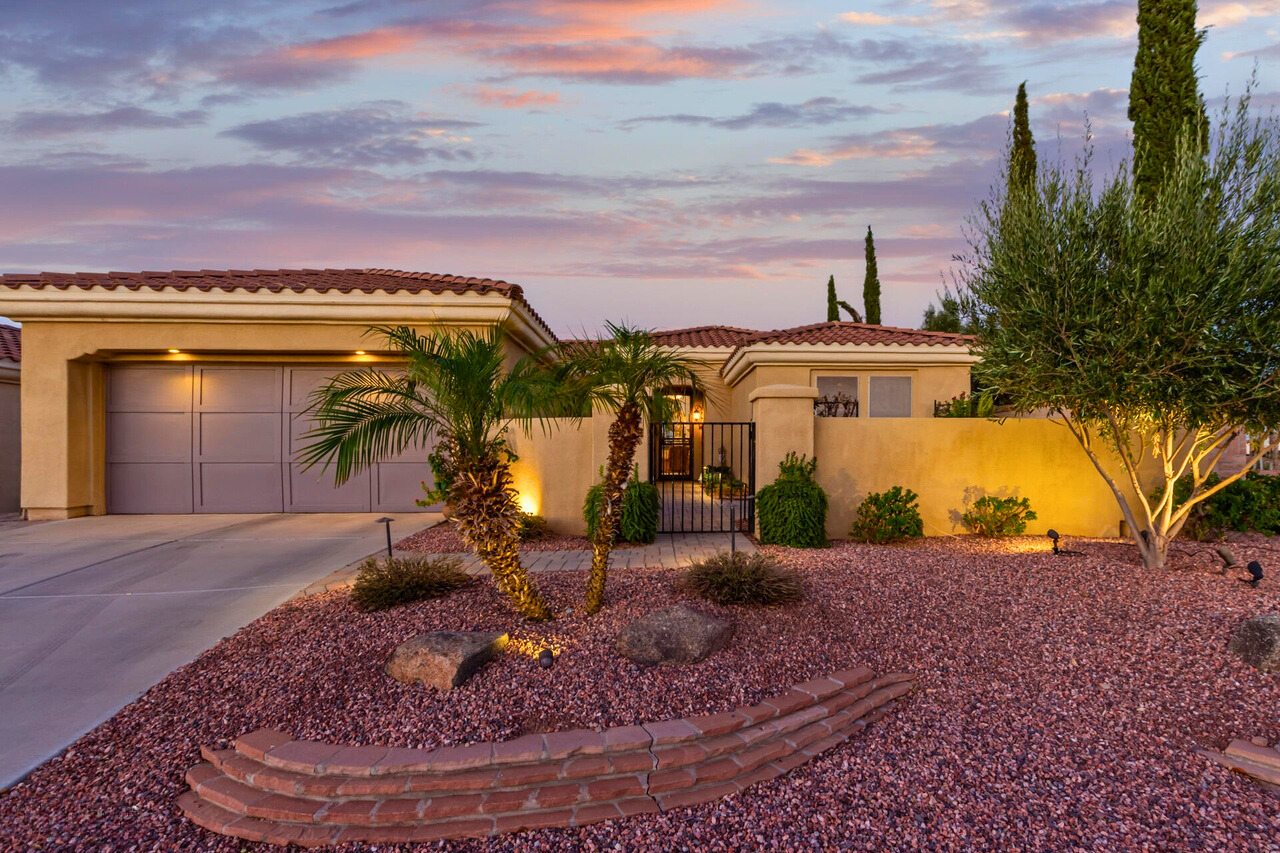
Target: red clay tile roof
704 336
299 281
10 343
856 333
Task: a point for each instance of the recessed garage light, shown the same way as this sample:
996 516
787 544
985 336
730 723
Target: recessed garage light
359 352
175 351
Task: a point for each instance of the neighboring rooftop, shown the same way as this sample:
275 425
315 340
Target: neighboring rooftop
843 332
10 343
298 281
704 336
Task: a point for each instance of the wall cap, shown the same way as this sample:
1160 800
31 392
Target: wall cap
783 392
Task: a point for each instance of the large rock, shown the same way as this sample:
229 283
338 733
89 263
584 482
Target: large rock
444 659
1258 642
673 635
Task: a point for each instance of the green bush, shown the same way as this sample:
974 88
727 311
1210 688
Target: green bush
383 583
888 517
793 509
532 527
965 406
1251 503
641 509
753 580
992 516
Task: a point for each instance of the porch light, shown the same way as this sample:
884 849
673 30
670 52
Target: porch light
696 412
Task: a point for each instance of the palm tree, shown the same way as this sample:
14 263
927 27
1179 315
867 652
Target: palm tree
626 372
456 388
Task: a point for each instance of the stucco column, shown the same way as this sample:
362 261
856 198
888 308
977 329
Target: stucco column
783 415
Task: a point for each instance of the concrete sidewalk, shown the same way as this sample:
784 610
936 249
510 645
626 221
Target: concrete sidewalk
93 611
670 551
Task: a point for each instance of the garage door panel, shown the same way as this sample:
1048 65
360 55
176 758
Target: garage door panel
149 487
149 389
397 485
301 381
239 487
313 490
239 436
149 437
239 389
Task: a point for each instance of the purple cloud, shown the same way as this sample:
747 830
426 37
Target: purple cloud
55 123
810 113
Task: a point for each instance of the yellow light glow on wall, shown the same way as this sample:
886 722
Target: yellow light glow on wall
528 503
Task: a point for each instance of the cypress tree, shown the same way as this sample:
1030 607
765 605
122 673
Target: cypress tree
1022 154
833 306
1164 98
871 284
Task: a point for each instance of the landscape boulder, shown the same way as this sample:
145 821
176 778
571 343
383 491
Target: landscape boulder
673 635
444 659
1257 641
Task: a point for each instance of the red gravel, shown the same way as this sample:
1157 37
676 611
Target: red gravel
444 539
1059 702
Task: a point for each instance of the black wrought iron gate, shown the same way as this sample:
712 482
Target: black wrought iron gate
706 475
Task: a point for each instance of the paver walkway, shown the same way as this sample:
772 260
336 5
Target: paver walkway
671 550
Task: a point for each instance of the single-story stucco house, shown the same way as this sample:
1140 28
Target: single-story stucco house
186 391
10 408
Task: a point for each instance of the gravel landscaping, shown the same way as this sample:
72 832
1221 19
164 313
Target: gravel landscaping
1059 701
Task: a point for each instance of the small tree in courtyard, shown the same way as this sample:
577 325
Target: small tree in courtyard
1149 325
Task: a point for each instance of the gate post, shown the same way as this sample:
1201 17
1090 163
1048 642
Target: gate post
783 415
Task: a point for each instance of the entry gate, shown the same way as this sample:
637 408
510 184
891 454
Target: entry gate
705 474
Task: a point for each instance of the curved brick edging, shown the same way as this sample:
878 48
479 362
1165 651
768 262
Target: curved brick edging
1253 758
272 788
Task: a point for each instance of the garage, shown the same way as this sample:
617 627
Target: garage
215 437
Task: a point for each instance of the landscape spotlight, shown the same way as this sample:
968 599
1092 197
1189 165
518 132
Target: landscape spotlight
1053 534
387 521
546 658
1255 573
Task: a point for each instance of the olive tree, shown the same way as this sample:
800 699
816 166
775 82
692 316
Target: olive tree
1149 327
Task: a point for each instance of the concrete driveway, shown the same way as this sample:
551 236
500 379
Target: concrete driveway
93 611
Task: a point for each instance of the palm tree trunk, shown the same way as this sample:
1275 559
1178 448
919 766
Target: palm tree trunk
624 437
488 515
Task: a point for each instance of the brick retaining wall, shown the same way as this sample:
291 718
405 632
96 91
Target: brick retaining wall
270 787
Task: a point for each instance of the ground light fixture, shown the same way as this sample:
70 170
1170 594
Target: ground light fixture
1255 574
1054 535
387 521
546 658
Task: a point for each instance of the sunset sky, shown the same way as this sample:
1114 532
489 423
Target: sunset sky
667 162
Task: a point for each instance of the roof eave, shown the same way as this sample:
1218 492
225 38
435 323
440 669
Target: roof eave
746 358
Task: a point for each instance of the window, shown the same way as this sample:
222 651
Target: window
837 397
890 397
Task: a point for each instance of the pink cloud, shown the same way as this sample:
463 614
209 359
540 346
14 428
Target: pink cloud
510 98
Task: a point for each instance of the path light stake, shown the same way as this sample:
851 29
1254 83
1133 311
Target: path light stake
546 658
1053 534
1255 573
387 521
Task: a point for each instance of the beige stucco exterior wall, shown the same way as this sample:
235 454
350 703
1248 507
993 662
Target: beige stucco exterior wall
554 470
951 462
10 437
928 383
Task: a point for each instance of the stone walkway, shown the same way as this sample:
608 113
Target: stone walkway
671 550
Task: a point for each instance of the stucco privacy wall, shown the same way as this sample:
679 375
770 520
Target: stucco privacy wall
951 462
553 470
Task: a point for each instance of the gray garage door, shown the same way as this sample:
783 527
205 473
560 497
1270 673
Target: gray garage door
222 438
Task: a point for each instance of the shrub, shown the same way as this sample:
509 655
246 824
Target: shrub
793 508
753 580
965 406
1251 503
383 583
992 516
532 527
641 509
888 517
